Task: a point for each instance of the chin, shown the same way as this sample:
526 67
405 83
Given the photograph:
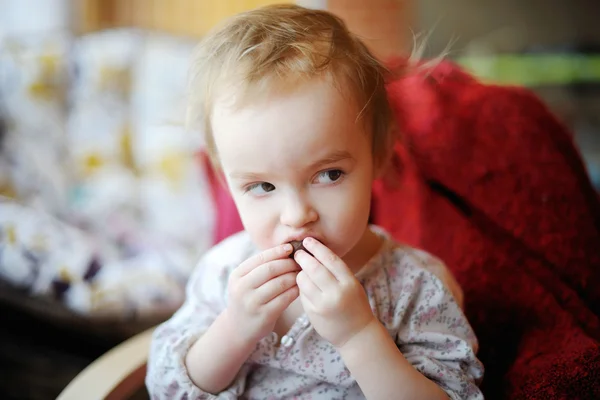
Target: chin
340 250
347 247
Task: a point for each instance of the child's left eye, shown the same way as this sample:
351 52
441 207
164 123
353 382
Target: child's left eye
329 176
260 188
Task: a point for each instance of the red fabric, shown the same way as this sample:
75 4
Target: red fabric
491 183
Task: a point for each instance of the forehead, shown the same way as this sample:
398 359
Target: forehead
287 129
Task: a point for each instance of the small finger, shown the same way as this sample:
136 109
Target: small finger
270 270
274 253
278 304
317 273
275 287
307 286
331 261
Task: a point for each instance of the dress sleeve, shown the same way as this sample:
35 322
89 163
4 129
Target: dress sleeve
436 338
167 376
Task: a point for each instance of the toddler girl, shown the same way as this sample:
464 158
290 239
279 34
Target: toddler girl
297 121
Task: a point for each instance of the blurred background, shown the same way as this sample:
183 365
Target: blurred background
106 206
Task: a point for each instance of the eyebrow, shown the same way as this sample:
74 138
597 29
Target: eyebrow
245 176
331 158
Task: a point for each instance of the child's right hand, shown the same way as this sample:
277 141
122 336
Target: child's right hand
260 289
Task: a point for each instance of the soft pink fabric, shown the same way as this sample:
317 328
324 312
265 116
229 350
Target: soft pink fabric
228 219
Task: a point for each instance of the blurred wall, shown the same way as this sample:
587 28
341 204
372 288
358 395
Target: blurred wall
508 25
184 17
384 25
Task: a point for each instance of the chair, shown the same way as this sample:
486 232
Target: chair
117 375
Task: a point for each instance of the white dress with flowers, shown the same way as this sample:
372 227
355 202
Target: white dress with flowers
417 309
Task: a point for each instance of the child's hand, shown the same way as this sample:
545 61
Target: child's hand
260 289
332 297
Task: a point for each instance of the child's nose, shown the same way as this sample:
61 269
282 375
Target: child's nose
297 212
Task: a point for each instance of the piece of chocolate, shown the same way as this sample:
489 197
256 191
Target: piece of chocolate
297 245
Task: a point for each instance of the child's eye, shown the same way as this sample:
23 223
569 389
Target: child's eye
329 176
260 188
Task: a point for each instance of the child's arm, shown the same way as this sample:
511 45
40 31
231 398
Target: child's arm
382 372
215 359
167 376
434 345
426 347
260 289
196 354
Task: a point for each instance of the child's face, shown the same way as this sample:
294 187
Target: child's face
298 165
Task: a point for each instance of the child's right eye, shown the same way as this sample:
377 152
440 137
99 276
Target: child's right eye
260 188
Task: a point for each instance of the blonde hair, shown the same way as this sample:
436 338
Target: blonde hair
277 47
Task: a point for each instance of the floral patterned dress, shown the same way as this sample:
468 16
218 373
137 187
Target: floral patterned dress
405 294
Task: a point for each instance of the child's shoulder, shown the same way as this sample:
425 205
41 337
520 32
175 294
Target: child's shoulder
231 250
215 266
409 260
401 263
405 267
403 257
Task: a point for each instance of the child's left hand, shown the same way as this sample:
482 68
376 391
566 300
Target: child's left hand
332 297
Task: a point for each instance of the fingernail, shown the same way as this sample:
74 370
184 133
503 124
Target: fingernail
308 240
287 248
